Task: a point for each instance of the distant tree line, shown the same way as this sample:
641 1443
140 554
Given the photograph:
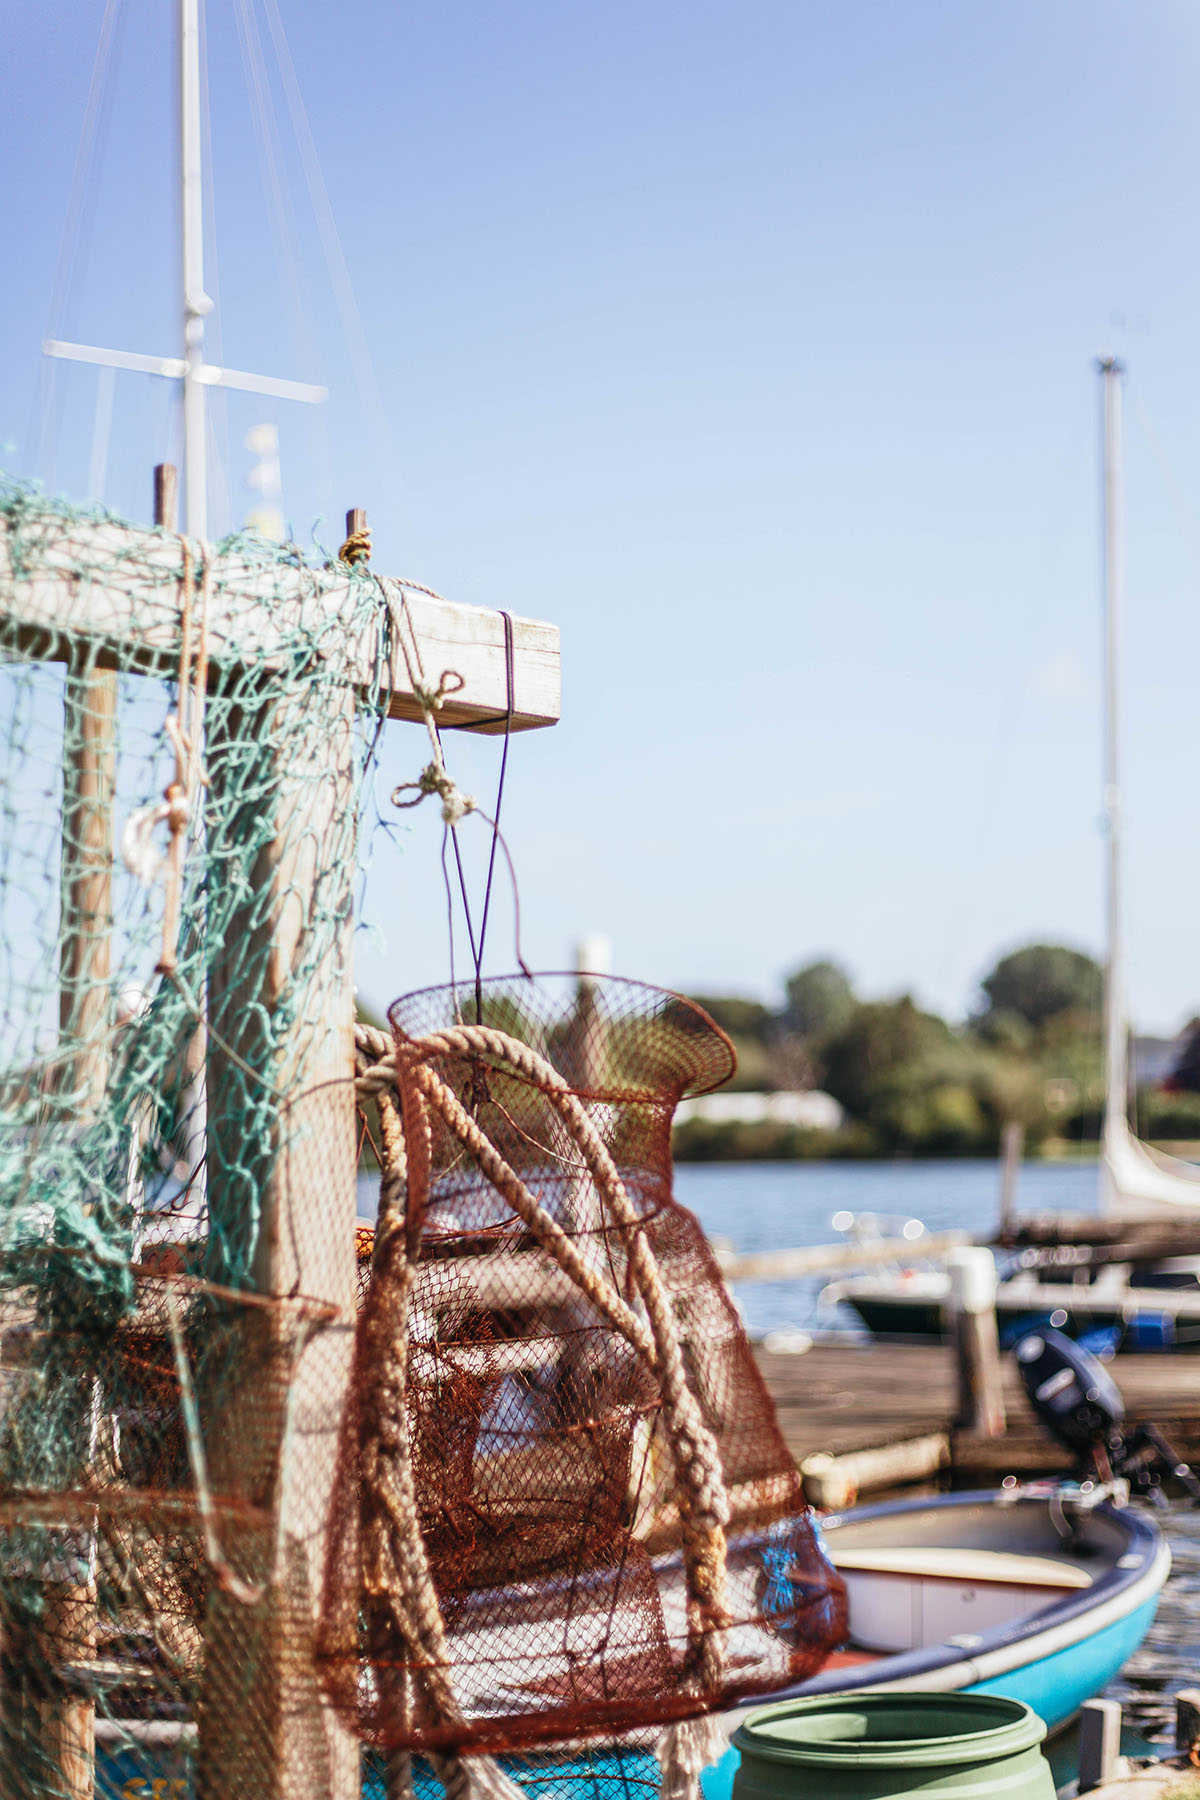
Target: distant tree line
913 1084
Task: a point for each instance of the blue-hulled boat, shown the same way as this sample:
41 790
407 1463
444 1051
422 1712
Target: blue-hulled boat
1039 1594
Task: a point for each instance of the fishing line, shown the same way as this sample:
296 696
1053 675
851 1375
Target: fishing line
276 188
477 949
435 778
73 242
1174 491
336 265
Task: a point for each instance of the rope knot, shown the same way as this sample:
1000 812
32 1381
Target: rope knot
433 779
430 699
178 809
357 548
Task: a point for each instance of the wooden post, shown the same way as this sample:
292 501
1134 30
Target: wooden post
972 1302
194 1108
593 956
85 935
166 496
1099 1743
67 1631
1187 1721
264 1726
1012 1141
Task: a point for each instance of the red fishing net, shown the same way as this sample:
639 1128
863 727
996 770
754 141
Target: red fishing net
563 1506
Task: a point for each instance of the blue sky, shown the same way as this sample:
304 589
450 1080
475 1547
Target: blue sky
752 344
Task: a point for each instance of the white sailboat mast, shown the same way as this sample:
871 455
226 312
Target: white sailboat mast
196 303
1135 1180
1116 1053
191 368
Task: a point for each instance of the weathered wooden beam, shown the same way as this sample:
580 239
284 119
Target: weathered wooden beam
66 1633
1091 1228
1061 1260
113 593
833 1482
281 1132
820 1259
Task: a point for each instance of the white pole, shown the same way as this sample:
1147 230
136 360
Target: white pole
101 433
1116 1074
196 303
972 1308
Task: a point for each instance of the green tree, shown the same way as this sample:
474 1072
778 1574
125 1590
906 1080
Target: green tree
1041 982
820 999
737 1017
932 1118
749 1024
880 1041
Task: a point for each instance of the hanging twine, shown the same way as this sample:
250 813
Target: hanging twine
184 729
434 777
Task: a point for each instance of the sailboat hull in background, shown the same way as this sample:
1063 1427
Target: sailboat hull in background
1143 1315
1140 1183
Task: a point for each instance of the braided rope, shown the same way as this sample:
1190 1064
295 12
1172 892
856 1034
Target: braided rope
357 547
702 1499
703 1502
395 1565
547 1232
374 1061
701 1496
396 1569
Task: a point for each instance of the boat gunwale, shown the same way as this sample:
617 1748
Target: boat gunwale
1114 1585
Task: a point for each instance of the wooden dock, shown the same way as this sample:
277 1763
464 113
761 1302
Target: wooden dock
852 1397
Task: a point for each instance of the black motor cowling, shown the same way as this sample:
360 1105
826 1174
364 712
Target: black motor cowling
1073 1394
1080 1405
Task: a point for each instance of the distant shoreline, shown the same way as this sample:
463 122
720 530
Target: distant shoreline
769 1143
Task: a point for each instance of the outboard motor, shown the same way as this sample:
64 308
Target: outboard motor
1080 1406
1075 1398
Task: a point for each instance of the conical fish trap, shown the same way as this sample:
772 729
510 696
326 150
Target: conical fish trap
564 1507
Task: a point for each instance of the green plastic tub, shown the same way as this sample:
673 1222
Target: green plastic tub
877 1746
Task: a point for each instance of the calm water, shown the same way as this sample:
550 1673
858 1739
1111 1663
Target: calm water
764 1206
1170 1657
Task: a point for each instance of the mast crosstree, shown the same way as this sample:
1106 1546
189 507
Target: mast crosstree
191 369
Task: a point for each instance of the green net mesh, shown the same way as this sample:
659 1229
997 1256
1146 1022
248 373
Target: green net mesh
103 1123
142 1189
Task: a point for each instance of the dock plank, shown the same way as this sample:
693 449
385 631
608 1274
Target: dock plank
841 1397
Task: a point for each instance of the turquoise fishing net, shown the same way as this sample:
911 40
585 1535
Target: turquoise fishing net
113 1177
132 1187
